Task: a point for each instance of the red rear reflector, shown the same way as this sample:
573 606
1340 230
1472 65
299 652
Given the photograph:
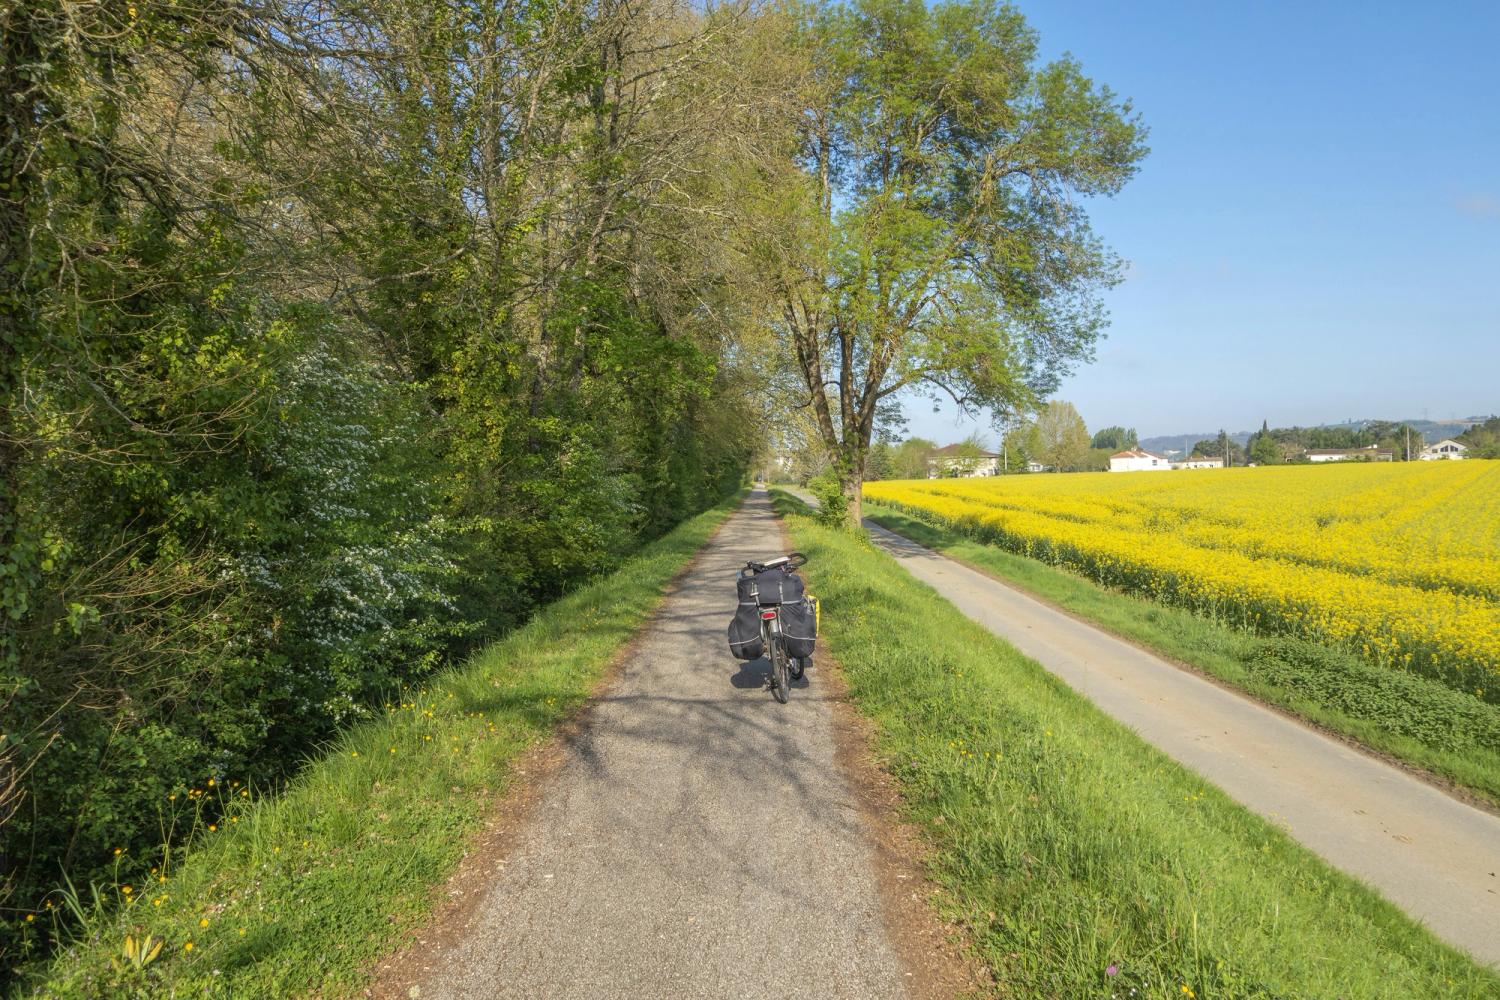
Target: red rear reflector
768 615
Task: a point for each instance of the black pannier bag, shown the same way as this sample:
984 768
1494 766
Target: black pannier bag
799 627
744 633
774 586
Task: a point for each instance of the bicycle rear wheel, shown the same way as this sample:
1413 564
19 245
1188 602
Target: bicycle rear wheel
781 682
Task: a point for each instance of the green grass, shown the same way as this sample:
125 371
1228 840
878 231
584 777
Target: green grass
305 890
1409 717
1068 845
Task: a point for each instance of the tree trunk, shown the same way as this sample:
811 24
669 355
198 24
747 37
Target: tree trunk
854 491
852 478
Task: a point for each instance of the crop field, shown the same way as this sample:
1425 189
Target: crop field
1400 563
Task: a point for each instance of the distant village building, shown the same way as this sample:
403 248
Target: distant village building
1138 460
1034 466
1369 454
1445 449
1199 462
958 460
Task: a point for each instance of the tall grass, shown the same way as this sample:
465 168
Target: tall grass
1086 863
302 892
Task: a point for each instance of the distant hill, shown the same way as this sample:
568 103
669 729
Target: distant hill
1432 430
1182 442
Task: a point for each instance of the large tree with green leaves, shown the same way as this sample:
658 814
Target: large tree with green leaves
933 239
1062 439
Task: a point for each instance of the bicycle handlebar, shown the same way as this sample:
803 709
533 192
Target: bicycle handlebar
792 561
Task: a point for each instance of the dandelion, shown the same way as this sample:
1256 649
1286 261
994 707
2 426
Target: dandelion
127 890
30 917
203 922
213 827
188 946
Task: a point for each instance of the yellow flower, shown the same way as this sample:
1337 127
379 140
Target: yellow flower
30 917
188 946
1395 562
127 890
203 922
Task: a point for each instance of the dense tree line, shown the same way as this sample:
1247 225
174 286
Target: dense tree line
336 337
1277 445
1483 439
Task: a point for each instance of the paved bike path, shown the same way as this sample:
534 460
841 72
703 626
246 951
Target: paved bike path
1435 857
699 840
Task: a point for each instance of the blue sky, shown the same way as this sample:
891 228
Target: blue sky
1316 233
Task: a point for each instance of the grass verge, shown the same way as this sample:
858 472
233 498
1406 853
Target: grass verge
1070 847
1407 717
303 891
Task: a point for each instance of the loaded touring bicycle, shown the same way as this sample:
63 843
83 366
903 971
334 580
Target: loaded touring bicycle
776 619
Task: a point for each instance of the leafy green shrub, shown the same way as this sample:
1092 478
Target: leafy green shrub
833 503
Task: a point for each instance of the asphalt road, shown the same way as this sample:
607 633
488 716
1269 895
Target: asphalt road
1435 857
700 839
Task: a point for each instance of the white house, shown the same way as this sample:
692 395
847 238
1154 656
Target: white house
1445 449
1199 462
1138 460
956 460
1371 454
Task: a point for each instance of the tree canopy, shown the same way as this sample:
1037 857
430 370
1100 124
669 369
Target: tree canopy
938 243
1062 439
1115 438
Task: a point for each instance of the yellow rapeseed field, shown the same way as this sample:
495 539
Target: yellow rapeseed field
1400 562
